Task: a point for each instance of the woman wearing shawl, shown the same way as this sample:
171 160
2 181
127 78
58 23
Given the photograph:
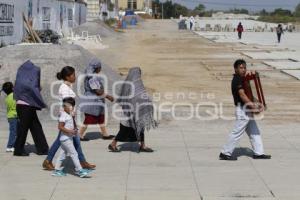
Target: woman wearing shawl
137 112
29 100
93 102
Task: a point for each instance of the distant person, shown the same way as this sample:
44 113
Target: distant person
192 22
240 30
67 131
27 93
11 115
244 118
279 31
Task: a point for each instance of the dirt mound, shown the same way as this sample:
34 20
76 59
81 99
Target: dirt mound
50 58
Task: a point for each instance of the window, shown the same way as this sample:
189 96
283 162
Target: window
46 16
6 30
6 13
131 4
70 14
70 17
6 20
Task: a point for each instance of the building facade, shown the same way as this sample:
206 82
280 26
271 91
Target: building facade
93 9
132 4
58 15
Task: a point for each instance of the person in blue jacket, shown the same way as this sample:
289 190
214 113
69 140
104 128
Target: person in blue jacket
29 100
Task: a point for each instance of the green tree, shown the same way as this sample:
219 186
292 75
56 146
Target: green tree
172 10
239 11
180 10
244 11
297 11
263 12
199 10
282 12
168 9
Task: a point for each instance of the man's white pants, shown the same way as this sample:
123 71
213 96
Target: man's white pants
244 123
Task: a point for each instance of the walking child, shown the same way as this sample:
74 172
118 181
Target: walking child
68 130
11 115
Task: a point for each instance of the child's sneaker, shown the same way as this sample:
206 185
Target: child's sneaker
10 149
58 173
83 173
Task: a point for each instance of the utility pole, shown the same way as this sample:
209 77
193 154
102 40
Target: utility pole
117 8
162 11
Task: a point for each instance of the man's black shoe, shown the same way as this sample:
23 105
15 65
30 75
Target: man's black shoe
21 154
42 153
84 139
226 157
262 156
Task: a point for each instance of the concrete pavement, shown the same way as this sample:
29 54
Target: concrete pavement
184 165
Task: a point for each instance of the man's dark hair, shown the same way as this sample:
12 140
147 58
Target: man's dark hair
7 87
239 62
69 100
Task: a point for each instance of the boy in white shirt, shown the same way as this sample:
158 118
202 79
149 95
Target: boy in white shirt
68 130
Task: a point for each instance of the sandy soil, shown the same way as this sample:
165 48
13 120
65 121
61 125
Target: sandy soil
176 61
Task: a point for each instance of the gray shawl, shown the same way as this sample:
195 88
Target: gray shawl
136 103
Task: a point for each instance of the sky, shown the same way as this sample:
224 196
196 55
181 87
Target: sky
251 5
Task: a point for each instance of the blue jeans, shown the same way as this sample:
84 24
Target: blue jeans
13 123
55 146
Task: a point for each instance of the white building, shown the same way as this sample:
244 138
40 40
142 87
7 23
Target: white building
221 15
98 9
93 9
58 15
